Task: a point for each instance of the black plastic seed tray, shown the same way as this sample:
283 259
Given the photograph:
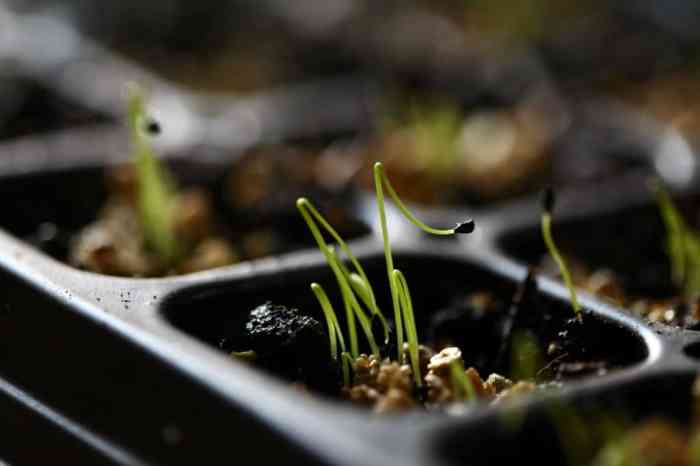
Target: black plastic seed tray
118 370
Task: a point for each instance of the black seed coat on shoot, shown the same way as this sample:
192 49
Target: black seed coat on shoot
465 227
548 199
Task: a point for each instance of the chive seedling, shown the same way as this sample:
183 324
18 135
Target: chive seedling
335 335
355 287
358 279
400 297
548 201
353 309
156 189
683 244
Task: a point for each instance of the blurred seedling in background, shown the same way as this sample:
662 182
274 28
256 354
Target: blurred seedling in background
682 244
548 202
156 186
433 126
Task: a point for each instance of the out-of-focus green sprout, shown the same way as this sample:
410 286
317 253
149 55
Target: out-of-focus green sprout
156 187
547 207
682 244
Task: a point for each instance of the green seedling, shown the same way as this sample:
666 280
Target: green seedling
461 384
335 335
355 288
400 298
353 308
548 201
156 189
526 357
682 244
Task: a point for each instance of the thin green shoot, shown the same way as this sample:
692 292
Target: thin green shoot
361 289
302 204
548 204
381 180
461 384
353 304
409 323
353 309
311 216
156 187
682 242
334 333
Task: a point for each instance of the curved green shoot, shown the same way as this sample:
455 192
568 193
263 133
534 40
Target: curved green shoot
461 383
325 249
352 306
351 303
546 227
363 289
380 177
312 213
409 322
334 333
156 187
381 180
365 293
388 258
303 203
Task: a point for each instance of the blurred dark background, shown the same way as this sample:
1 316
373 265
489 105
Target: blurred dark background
598 76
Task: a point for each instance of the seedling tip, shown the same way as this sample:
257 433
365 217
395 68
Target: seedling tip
157 190
152 126
548 199
465 227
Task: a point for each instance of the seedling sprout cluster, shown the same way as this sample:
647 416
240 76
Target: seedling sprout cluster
355 287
